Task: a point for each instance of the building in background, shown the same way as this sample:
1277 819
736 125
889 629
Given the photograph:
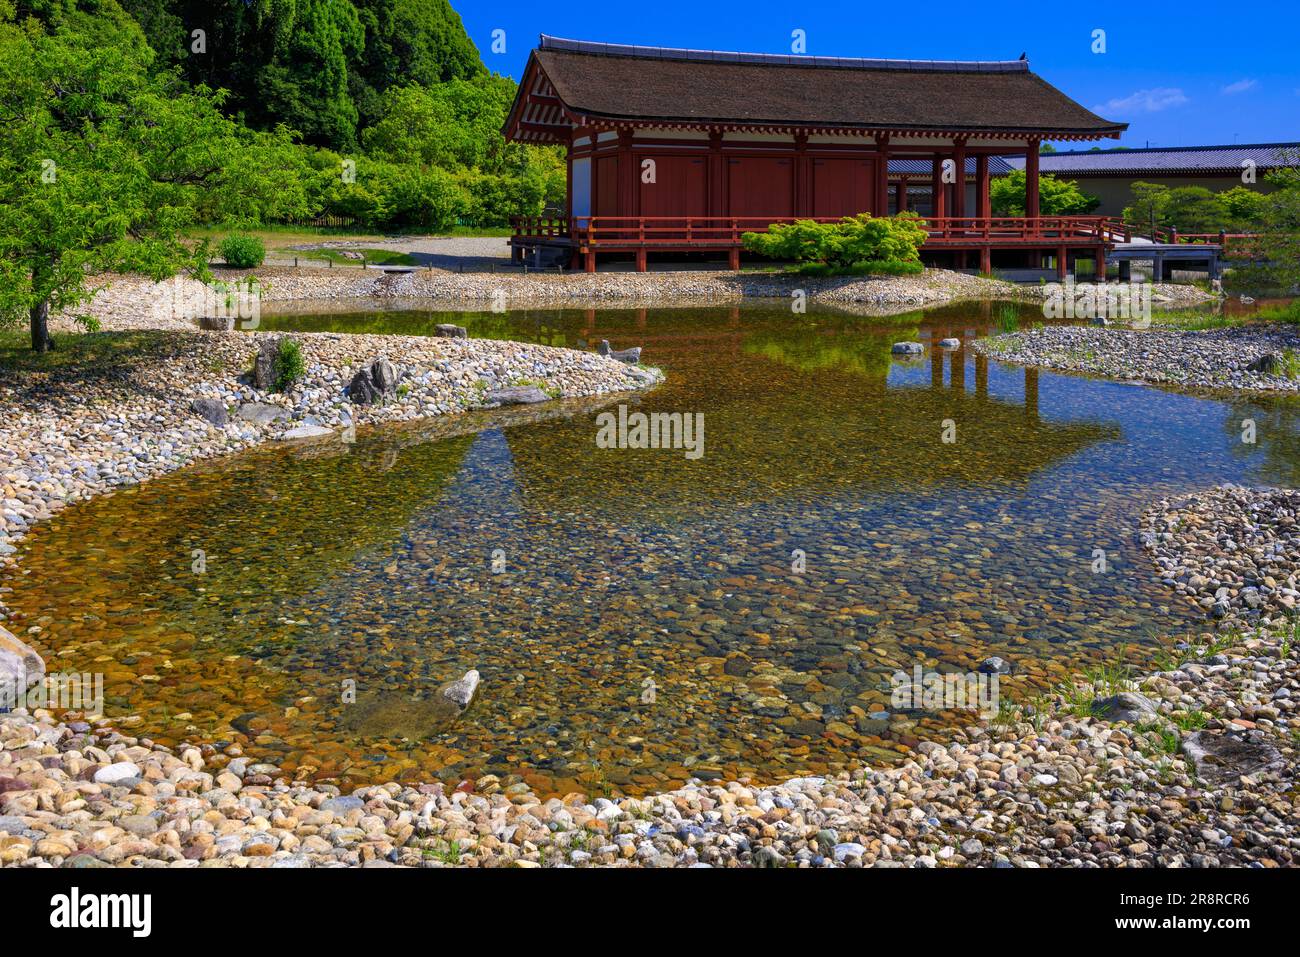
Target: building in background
1110 174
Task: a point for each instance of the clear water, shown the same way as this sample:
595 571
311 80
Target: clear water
645 621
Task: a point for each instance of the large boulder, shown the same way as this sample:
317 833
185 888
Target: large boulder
212 410
262 413
374 383
907 348
449 331
1126 706
461 691
1267 364
1222 758
264 364
630 356
20 668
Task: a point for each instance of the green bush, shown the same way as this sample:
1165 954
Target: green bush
241 251
289 366
857 245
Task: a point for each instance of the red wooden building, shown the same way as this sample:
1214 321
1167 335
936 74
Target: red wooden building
685 150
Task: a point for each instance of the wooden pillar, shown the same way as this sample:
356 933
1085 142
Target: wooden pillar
1031 180
959 187
802 176
717 176
628 174
1101 264
983 193
900 195
590 261
640 260
937 187
986 260
1062 263
882 177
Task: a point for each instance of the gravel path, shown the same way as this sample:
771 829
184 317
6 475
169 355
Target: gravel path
1216 359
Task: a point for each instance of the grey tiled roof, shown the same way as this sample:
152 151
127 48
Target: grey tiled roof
1177 159
921 166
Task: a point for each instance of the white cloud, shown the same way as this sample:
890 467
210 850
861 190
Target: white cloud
1143 101
1241 86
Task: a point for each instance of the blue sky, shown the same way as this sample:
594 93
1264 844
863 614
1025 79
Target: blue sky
1181 73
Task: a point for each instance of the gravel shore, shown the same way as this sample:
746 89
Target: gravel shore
651 288
1056 784
1232 551
1212 359
78 431
1189 766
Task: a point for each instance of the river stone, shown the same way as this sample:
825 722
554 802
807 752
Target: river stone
306 432
212 410
264 365
907 348
117 773
516 395
1221 758
1126 706
950 343
449 331
342 805
262 413
995 666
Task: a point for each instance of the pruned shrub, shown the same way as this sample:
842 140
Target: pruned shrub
289 366
241 251
862 244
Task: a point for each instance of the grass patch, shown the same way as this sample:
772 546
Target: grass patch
1286 313
374 257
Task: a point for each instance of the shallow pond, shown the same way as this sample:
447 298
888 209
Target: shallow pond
639 616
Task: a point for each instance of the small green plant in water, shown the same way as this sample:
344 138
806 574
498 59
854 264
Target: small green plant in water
1289 364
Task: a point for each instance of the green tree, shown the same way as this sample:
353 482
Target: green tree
1245 208
104 165
1280 236
1148 206
1056 197
421 42
1195 209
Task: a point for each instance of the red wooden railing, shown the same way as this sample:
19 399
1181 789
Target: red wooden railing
648 232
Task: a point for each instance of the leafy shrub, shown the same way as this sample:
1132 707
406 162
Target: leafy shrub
289 366
861 244
241 251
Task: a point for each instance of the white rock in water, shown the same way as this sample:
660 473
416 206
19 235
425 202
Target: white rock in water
306 432
462 691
